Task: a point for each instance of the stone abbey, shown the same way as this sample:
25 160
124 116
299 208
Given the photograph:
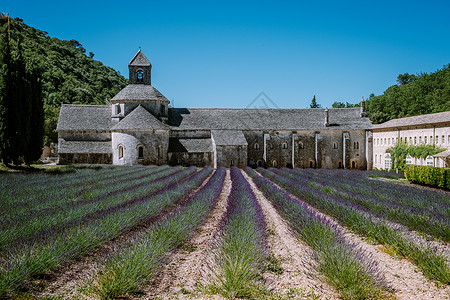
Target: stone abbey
137 126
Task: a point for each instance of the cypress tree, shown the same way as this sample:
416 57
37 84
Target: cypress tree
15 103
34 149
5 93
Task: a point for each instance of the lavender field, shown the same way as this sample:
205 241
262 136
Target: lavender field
171 232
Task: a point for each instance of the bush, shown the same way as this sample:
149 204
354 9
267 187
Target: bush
432 176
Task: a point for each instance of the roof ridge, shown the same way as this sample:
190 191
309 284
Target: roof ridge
86 105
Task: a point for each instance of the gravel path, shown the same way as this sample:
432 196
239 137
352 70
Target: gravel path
400 274
189 265
298 267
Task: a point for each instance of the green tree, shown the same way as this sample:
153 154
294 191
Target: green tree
403 79
5 91
35 143
314 103
412 96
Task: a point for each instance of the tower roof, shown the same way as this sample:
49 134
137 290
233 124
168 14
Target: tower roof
139 60
137 93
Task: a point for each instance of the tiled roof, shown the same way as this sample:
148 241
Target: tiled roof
139 92
139 119
441 117
228 137
139 60
443 154
84 117
266 119
190 145
84 147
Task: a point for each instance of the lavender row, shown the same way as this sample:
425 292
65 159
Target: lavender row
433 224
430 261
350 270
241 250
24 262
54 199
411 198
130 267
58 202
39 182
405 193
39 229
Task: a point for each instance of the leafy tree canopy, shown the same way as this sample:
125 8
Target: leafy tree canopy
413 95
68 75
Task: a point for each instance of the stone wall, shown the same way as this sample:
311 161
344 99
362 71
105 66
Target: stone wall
155 147
185 159
85 158
281 146
228 156
154 107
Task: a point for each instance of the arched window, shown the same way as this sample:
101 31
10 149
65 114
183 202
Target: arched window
231 163
284 146
259 163
256 146
376 158
163 109
120 151
271 146
140 152
353 164
340 164
300 145
335 145
409 160
387 161
311 164
274 163
140 76
430 161
356 144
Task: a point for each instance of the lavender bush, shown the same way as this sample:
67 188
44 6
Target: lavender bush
352 272
29 260
241 247
432 264
129 267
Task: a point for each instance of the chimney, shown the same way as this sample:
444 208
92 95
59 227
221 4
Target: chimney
363 108
327 118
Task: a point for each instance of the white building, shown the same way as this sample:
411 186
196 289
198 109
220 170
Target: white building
433 129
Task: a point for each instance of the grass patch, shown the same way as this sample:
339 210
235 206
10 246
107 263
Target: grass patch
274 265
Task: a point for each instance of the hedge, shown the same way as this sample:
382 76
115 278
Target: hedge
432 176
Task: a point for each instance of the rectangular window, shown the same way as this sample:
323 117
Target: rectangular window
425 139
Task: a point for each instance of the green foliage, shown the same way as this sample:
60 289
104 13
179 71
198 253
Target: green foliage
21 114
68 75
401 150
314 103
414 95
338 104
432 176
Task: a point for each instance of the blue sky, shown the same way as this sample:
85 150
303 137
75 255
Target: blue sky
223 54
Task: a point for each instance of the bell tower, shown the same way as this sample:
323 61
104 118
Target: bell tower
140 70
